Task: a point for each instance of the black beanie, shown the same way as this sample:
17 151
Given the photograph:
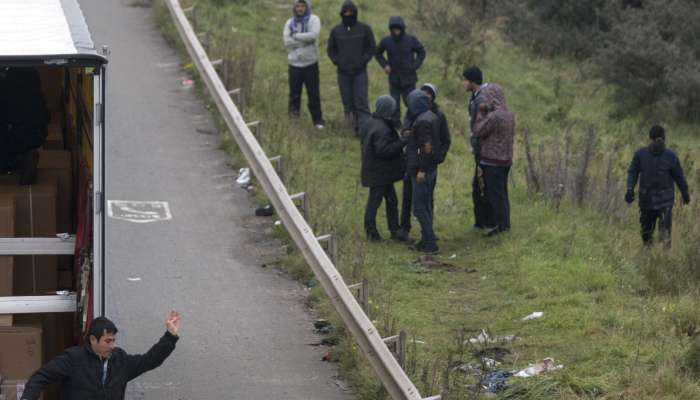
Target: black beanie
473 74
657 132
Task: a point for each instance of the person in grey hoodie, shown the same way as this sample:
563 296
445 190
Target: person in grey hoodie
351 46
301 37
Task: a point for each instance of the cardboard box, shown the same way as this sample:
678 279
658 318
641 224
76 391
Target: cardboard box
35 216
14 389
35 205
6 320
7 230
54 139
20 351
56 164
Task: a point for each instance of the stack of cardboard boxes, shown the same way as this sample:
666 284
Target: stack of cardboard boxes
40 210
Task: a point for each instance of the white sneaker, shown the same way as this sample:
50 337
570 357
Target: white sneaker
320 127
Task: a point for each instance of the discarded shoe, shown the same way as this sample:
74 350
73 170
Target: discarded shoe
264 211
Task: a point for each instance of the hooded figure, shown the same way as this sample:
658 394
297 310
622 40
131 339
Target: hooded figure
301 37
405 56
421 155
495 129
351 46
444 131
657 169
382 165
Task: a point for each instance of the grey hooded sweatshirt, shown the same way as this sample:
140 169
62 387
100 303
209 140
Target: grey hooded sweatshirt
301 40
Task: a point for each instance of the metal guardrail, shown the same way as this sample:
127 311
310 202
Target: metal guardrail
365 333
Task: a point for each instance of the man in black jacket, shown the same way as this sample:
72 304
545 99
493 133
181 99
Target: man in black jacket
421 167
657 169
443 131
98 369
351 46
382 165
405 56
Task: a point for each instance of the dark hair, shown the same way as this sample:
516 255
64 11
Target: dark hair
473 74
100 326
657 132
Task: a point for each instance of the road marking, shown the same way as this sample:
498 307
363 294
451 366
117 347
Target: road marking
139 211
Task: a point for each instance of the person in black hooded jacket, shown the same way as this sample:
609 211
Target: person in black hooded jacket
351 46
657 169
382 165
405 56
98 370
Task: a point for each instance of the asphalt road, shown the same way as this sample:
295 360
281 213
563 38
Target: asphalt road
245 332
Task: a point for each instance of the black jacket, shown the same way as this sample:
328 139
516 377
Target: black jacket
382 153
657 170
79 371
405 56
423 144
443 133
351 47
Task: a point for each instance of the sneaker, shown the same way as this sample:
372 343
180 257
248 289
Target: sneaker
373 237
429 248
320 127
494 232
400 236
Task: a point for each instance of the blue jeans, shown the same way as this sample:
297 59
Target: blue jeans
422 205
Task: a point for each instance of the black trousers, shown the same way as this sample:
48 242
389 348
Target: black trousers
399 92
354 94
309 77
483 213
406 204
496 180
648 220
376 195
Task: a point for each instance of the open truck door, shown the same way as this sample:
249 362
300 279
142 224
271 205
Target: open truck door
52 272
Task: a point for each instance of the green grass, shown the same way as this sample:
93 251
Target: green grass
616 338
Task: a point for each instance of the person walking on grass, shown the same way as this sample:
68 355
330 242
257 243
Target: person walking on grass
404 56
422 160
351 46
99 369
382 165
495 131
473 82
657 169
301 37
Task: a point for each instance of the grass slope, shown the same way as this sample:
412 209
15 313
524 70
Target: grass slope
614 337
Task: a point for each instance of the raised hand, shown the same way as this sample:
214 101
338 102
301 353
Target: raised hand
172 323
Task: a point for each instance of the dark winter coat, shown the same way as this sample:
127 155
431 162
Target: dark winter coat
405 55
657 170
351 47
444 133
382 149
495 129
79 371
424 141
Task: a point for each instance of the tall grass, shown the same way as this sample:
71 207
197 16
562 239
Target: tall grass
620 318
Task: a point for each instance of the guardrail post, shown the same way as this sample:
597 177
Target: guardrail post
397 345
256 127
237 95
331 246
280 166
304 204
361 291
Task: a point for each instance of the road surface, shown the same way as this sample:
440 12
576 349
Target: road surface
245 333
